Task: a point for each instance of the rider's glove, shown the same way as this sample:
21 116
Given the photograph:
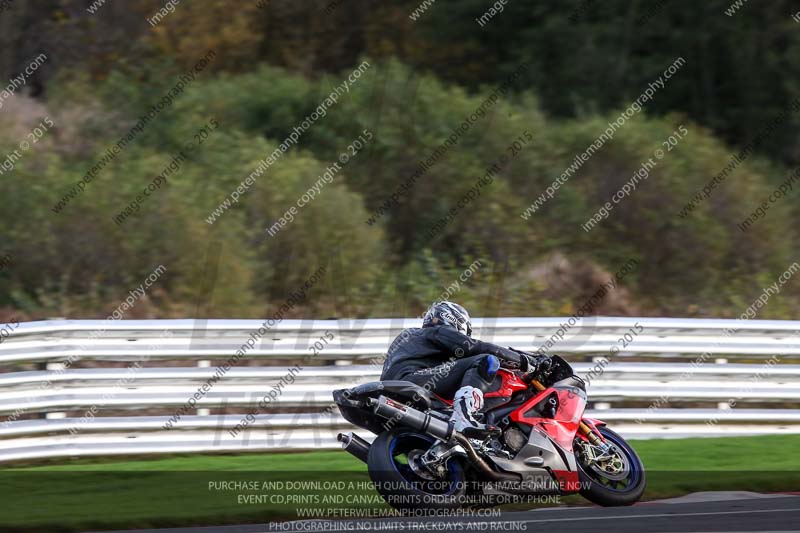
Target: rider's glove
512 359
537 363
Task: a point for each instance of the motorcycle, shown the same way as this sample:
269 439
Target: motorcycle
537 442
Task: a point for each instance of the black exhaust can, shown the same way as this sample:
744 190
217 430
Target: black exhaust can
354 445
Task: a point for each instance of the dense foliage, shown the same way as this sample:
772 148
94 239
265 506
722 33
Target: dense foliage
274 65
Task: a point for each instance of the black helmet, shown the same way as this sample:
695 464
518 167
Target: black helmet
446 313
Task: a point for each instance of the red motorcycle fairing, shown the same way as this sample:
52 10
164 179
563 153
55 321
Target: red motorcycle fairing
568 481
509 384
561 429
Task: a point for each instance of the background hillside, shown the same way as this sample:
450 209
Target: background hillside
566 70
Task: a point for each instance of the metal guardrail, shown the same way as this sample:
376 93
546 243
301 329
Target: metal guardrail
192 339
28 388
243 387
38 439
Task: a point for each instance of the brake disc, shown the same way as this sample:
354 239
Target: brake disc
615 468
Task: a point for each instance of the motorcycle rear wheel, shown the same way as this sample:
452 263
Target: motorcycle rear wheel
613 489
402 487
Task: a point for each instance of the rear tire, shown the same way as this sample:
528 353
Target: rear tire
400 486
609 490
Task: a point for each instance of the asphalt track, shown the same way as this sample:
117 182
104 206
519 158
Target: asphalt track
700 512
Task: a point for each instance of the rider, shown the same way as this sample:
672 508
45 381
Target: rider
443 357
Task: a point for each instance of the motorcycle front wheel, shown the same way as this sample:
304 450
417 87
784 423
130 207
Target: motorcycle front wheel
393 468
617 481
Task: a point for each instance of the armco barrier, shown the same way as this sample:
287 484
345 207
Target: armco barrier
670 362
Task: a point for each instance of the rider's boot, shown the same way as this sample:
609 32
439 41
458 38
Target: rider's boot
467 406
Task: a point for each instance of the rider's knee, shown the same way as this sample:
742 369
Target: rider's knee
488 367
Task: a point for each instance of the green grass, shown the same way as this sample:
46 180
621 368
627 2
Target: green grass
280 462
170 491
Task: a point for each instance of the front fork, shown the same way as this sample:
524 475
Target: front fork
591 435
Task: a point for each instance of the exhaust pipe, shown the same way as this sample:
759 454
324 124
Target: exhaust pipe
399 414
354 445
404 415
481 464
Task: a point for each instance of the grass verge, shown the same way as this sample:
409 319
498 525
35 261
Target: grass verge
220 489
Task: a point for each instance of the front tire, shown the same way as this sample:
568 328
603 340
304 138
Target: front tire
618 482
400 485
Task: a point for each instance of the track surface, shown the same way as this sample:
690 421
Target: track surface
695 513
